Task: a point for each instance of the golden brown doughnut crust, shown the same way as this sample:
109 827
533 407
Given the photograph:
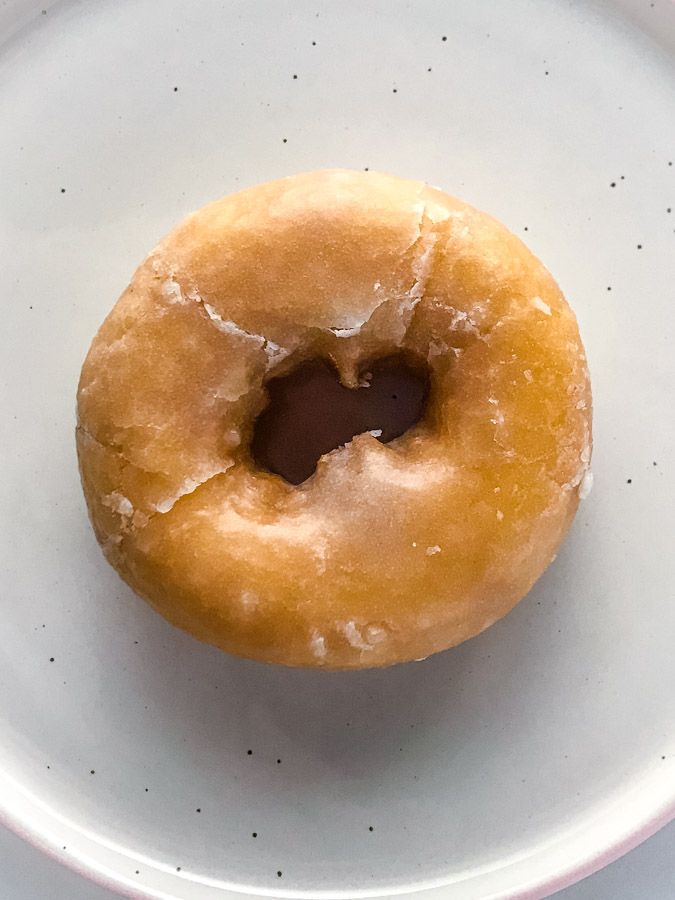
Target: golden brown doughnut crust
389 552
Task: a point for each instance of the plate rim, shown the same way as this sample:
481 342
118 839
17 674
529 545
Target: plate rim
637 813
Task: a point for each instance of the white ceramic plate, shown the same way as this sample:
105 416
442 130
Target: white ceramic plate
505 768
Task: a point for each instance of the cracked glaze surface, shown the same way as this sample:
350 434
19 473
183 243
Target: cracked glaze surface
389 552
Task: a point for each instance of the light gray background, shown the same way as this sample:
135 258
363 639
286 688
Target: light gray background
648 873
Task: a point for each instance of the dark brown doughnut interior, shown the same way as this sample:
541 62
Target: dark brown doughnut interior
311 413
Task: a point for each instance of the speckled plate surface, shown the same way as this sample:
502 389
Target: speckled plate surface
505 768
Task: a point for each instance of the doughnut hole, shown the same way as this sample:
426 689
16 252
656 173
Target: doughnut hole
311 413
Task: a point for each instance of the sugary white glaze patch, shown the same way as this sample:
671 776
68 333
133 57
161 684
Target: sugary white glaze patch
539 304
586 485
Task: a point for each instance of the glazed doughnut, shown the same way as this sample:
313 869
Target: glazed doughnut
389 551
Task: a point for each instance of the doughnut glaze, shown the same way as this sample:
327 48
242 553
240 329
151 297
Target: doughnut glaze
388 552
